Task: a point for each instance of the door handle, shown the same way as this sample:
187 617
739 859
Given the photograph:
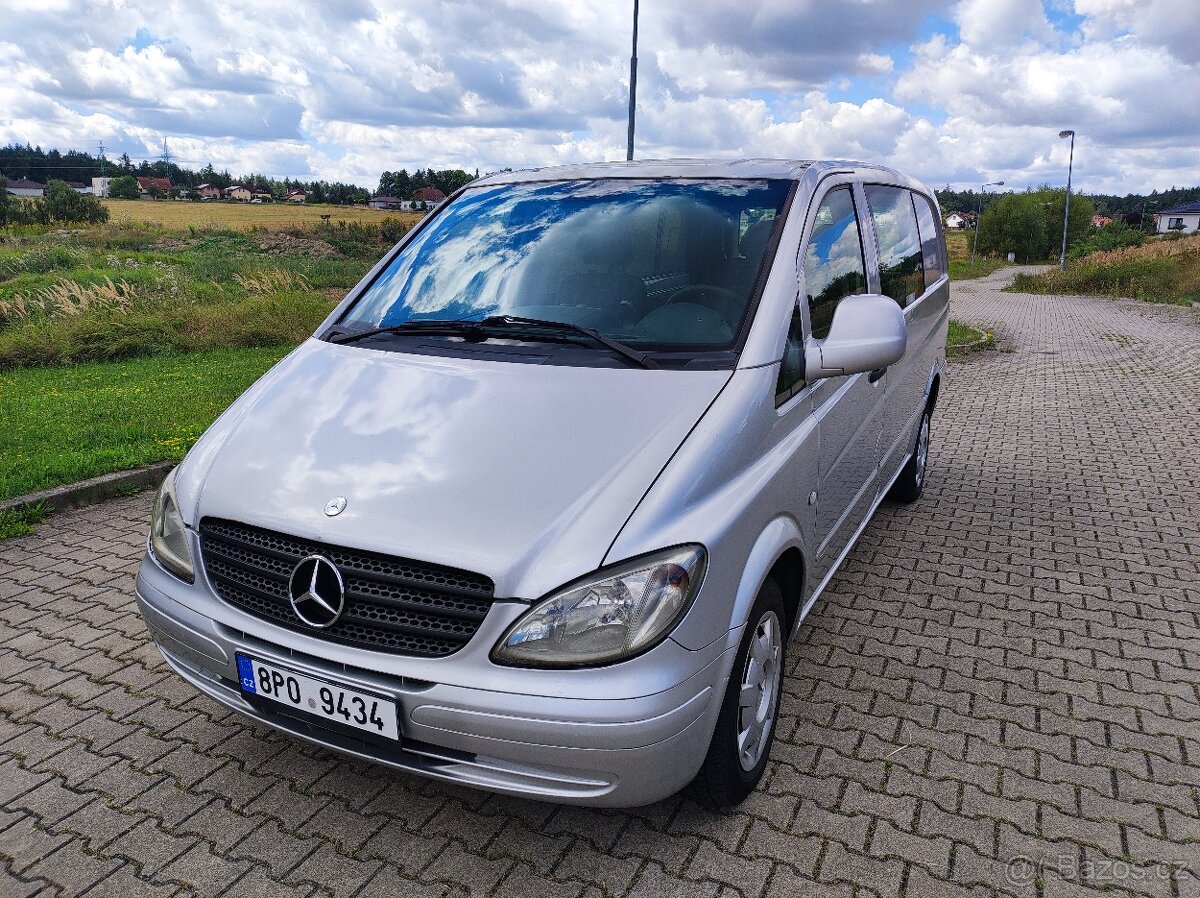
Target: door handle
877 374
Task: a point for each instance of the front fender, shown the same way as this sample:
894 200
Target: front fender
780 535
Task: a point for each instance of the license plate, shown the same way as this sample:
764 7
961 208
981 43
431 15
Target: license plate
348 707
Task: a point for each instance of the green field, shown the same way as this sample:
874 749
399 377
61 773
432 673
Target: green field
67 423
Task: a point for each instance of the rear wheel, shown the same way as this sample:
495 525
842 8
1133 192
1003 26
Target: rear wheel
911 482
745 730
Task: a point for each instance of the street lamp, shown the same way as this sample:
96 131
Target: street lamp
1062 256
632 84
979 214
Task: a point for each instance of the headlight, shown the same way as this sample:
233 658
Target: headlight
168 537
614 614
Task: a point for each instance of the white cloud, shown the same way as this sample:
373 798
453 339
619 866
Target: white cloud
344 89
1002 23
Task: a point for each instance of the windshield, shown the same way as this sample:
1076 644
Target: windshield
660 264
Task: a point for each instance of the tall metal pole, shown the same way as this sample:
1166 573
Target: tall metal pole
1062 256
979 215
632 83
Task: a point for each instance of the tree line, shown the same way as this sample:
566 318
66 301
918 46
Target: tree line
40 165
1132 205
402 185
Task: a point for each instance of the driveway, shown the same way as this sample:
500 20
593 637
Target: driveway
998 695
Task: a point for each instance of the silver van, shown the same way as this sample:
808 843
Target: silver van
539 505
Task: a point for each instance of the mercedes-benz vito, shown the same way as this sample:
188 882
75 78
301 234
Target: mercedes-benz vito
538 506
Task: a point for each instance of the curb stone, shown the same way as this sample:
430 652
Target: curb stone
96 489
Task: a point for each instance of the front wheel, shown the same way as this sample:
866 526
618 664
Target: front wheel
745 729
911 482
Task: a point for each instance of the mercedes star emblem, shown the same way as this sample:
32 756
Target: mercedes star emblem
335 506
317 593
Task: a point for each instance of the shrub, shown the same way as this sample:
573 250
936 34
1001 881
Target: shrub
392 229
124 187
1029 224
61 204
1114 235
65 205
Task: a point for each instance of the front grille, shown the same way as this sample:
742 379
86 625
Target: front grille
392 604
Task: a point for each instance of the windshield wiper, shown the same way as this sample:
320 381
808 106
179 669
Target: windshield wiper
476 331
637 357
470 329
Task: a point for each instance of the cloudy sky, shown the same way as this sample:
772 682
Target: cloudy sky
953 91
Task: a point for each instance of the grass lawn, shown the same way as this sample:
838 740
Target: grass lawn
179 215
63 424
964 338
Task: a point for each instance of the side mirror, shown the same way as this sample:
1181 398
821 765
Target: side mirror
867 333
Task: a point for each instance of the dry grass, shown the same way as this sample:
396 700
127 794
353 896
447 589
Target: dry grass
1158 271
67 299
273 280
178 215
1153 249
958 244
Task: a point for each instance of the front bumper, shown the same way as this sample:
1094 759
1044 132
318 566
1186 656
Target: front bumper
570 746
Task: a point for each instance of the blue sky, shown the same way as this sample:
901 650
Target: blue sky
952 91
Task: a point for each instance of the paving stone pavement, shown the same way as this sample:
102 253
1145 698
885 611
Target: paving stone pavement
998 695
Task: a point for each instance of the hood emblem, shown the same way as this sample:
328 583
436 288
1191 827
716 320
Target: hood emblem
335 506
317 592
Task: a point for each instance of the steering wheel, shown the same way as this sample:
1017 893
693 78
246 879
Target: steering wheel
722 301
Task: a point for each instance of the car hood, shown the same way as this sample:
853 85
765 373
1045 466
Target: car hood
523 472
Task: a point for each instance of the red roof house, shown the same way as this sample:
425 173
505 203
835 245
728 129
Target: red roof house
147 185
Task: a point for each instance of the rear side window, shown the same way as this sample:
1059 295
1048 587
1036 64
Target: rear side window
931 248
833 259
899 241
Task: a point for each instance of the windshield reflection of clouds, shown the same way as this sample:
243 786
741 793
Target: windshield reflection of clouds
528 248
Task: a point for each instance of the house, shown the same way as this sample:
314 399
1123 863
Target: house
208 192
430 196
25 187
80 187
261 196
956 220
1099 221
1183 219
387 202
239 193
295 196
151 187
100 186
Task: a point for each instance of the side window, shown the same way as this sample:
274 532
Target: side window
833 259
931 247
899 243
791 369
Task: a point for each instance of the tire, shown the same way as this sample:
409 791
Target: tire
730 773
911 482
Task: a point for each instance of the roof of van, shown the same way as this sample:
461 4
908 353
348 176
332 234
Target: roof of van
673 168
